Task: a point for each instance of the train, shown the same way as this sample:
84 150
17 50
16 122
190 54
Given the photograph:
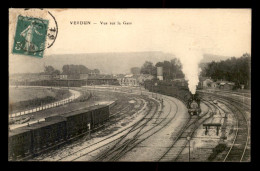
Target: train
193 104
35 138
177 89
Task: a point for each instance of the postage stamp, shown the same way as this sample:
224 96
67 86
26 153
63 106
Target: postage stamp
30 36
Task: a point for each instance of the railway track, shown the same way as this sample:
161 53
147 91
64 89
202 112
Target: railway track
79 151
123 111
139 137
124 141
180 141
239 149
82 154
245 104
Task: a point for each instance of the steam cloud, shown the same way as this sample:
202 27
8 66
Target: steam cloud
190 55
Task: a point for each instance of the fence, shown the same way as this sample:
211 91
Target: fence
44 107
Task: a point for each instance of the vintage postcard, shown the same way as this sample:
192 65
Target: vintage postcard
157 85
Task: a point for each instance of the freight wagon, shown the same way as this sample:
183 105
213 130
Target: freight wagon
37 137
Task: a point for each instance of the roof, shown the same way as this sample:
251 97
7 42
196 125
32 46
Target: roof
229 83
19 131
101 77
72 113
208 79
179 79
128 76
204 78
34 126
220 81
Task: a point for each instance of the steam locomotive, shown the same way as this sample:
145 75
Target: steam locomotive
193 104
177 89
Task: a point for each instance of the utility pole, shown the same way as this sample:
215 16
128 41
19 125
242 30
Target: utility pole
188 138
156 92
152 90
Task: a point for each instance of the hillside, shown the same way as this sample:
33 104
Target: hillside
110 63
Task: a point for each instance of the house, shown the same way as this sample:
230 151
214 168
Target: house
63 76
179 82
46 76
214 85
130 80
83 76
143 77
133 80
100 79
207 83
226 85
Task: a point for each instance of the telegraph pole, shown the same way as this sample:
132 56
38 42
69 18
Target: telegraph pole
188 138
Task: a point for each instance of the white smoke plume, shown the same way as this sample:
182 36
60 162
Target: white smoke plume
190 54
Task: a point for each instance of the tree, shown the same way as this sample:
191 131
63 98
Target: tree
56 72
171 69
135 70
48 70
78 69
96 71
236 70
65 69
148 68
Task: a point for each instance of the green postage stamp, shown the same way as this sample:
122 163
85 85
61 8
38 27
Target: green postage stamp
30 36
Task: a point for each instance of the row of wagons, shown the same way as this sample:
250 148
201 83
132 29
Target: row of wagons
32 139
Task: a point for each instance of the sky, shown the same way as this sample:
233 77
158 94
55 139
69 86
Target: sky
224 32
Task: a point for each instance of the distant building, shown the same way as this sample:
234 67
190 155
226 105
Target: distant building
143 77
73 76
83 76
63 76
133 80
101 79
180 82
226 85
160 73
207 83
130 80
214 85
46 76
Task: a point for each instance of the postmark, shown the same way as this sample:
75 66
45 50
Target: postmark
52 32
30 36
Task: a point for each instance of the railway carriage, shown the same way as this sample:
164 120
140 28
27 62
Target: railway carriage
19 143
48 133
39 136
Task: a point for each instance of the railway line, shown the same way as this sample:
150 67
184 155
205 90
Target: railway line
180 140
143 134
124 141
120 113
239 149
104 143
137 134
114 147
